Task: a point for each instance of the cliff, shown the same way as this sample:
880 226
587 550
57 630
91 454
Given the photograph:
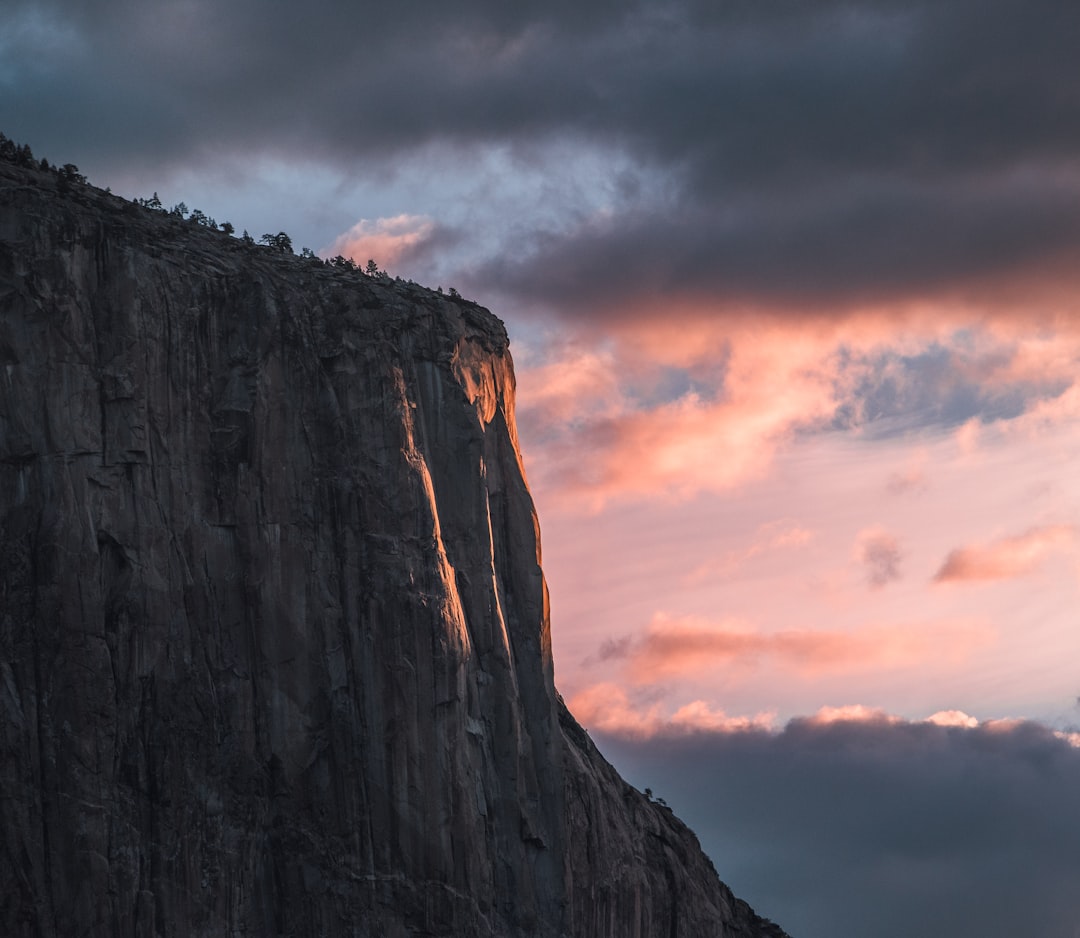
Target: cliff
274 648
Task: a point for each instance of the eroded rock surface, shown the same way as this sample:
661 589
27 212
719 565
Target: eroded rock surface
274 649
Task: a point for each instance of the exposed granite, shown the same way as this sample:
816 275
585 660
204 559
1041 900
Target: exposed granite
274 648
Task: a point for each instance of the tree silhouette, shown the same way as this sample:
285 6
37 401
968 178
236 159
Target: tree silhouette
279 242
69 172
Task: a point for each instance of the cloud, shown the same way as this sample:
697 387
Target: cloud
1050 413
1007 558
609 708
876 826
390 242
679 404
952 718
804 157
912 479
850 713
741 397
770 537
879 552
679 647
675 449
574 384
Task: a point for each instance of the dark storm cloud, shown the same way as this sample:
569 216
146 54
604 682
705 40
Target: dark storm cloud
814 153
882 830
846 243
337 80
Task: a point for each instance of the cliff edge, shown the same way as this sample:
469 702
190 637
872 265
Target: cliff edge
274 646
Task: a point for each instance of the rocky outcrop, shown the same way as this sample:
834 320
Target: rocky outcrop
274 650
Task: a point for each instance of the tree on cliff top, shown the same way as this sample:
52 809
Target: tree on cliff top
279 242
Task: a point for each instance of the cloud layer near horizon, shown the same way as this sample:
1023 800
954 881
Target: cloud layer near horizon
858 824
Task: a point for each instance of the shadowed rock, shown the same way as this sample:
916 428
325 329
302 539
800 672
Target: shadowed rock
274 647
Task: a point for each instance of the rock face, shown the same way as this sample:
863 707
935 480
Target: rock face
274 649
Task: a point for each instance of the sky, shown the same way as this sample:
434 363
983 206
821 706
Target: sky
792 296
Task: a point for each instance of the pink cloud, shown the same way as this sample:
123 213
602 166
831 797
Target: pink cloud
673 647
967 437
757 381
607 708
1048 413
387 241
722 433
579 383
1013 350
952 718
850 713
1006 558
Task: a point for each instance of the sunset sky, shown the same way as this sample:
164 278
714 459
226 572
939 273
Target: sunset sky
792 291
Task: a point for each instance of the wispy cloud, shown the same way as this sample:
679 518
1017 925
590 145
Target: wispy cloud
573 385
1006 558
671 647
912 478
771 537
879 553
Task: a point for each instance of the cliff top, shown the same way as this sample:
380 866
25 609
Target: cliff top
198 237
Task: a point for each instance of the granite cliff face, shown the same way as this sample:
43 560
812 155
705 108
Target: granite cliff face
274 650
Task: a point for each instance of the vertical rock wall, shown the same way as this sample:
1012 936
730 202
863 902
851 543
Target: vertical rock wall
274 649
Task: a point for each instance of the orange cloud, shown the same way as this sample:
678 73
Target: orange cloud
385 240
680 647
1007 558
